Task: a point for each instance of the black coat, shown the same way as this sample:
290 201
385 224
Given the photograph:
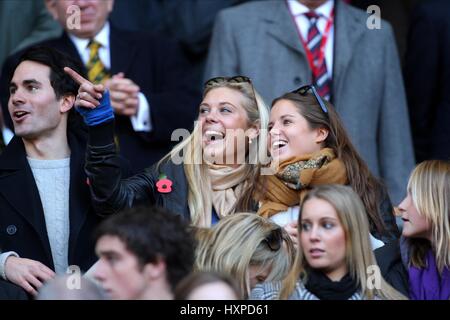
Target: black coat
158 67
10 291
427 79
392 269
22 222
111 193
392 232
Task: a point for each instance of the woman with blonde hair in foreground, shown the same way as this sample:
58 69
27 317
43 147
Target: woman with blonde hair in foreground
249 248
425 242
335 259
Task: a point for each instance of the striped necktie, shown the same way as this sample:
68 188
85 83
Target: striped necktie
314 40
97 72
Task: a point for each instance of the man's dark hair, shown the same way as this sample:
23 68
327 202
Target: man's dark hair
153 233
61 82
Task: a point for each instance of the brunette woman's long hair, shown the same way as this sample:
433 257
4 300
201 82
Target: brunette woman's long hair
363 182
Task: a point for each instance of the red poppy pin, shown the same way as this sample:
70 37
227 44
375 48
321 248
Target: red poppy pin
164 185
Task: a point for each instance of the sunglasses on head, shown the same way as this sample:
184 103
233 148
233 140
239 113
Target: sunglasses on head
304 90
274 239
235 79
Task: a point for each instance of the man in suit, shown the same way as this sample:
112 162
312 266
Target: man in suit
266 41
46 219
147 77
427 79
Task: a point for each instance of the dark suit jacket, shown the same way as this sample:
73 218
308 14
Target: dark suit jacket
22 222
10 291
427 80
158 67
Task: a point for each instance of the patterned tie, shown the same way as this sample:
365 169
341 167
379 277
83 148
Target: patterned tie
321 80
97 72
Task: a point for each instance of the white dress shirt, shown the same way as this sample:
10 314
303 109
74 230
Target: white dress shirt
141 121
298 11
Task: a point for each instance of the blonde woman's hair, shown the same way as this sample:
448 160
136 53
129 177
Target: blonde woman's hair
429 187
199 194
359 256
243 240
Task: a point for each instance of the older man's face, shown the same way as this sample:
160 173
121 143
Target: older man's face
94 14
